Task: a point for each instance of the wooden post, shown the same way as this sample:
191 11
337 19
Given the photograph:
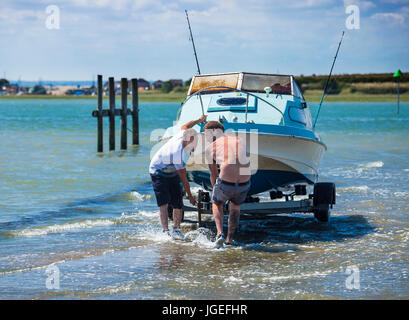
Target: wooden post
199 209
124 105
135 112
100 146
111 85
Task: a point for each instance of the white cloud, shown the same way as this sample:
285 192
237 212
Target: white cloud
396 1
362 5
401 17
389 17
309 3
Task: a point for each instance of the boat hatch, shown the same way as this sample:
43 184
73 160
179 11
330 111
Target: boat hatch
232 102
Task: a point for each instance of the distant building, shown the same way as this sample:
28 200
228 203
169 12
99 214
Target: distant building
143 84
157 84
117 88
13 89
176 82
7 89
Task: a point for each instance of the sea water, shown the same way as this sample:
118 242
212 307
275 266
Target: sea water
77 224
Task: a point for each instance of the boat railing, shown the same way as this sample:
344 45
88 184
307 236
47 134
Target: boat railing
198 93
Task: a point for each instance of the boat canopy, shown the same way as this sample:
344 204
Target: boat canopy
253 82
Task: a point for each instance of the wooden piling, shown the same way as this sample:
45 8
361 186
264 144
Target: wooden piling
111 86
100 138
199 209
135 112
124 112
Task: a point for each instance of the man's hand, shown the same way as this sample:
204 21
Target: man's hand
186 186
192 123
202 119
192 200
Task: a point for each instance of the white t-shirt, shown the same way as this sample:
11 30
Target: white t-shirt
170 157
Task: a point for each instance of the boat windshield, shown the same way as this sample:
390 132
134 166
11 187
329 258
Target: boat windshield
258 82
214 80
253 82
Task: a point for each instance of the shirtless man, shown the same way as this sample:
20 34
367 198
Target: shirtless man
232 183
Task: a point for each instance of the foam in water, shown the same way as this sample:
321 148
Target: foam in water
233 279
360 189
125 218
202 237
41 231
373 164
154 234
140 214
136 196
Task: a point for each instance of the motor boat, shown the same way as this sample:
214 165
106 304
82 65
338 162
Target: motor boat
269 112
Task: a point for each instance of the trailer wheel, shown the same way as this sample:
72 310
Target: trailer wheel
322 213
170 213
324 197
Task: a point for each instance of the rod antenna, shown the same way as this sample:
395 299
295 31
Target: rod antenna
193 43
327 82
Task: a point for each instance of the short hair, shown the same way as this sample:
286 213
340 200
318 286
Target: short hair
213 125
189 133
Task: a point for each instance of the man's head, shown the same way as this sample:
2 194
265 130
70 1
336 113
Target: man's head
189 140
213 130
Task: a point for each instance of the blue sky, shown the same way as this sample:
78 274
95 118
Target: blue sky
149 38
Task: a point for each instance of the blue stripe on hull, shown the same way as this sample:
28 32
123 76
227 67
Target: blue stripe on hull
262 181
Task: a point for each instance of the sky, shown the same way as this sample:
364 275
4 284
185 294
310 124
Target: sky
150 38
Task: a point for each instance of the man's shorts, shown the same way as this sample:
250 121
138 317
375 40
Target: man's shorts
235 193
168 189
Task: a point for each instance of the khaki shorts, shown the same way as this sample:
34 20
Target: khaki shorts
225 192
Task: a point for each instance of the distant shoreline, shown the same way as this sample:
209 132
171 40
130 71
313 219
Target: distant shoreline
313 96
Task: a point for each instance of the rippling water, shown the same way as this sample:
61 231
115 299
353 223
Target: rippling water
94 216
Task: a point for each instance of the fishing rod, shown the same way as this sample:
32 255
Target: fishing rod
197 61
327 82
193 42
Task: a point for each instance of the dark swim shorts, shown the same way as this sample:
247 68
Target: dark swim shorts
168 189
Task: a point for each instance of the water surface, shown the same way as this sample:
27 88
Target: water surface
94 215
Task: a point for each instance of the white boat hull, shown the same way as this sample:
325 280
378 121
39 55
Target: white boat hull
275 161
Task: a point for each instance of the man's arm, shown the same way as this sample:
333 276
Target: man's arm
214 173
210 159
192 123
186 185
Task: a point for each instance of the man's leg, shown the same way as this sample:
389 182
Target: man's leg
163 212
234 218
177 218
176 199
160 187
218 216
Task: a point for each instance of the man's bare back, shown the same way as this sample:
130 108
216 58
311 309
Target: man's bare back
229 153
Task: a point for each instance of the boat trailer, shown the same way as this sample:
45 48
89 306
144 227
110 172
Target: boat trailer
319 203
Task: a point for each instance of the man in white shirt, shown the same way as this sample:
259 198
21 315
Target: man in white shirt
168 169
